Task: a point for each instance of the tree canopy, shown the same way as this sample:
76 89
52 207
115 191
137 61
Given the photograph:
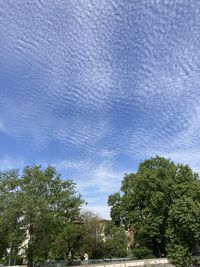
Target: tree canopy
162 203
41 219
36 207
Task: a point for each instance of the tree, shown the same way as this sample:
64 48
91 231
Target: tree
11 235
69 241
93 235
42 206
50 204
103 239
116 241
162 203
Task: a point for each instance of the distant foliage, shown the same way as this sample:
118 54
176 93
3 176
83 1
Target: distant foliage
116 241
162 203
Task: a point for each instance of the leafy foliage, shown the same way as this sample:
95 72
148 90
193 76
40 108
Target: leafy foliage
162 203
36 207
116 241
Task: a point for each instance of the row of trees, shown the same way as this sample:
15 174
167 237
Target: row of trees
162 204
41 219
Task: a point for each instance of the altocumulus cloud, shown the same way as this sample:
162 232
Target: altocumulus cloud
94 87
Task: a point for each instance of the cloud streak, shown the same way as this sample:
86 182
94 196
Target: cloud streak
7 163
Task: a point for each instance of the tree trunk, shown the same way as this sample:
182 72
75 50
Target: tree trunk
11 253
30 250
30 257
158 249
72 256
65 258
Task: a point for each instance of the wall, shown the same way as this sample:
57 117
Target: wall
143 263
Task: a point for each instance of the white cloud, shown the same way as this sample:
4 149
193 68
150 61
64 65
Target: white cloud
90 90
7 163
103 211
191 158
2 127
65 165
101 179
89 174
94 181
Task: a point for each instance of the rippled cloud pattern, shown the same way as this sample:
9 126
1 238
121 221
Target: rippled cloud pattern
93 87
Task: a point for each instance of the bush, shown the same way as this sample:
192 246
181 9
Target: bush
180 256
143 253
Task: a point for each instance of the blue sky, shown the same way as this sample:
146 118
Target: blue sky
94 87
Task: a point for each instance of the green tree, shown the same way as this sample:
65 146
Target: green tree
93 240
116 241
11 235
162 203
69 241
36 207
103 239
50 204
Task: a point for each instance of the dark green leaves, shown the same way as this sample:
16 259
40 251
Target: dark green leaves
162 202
